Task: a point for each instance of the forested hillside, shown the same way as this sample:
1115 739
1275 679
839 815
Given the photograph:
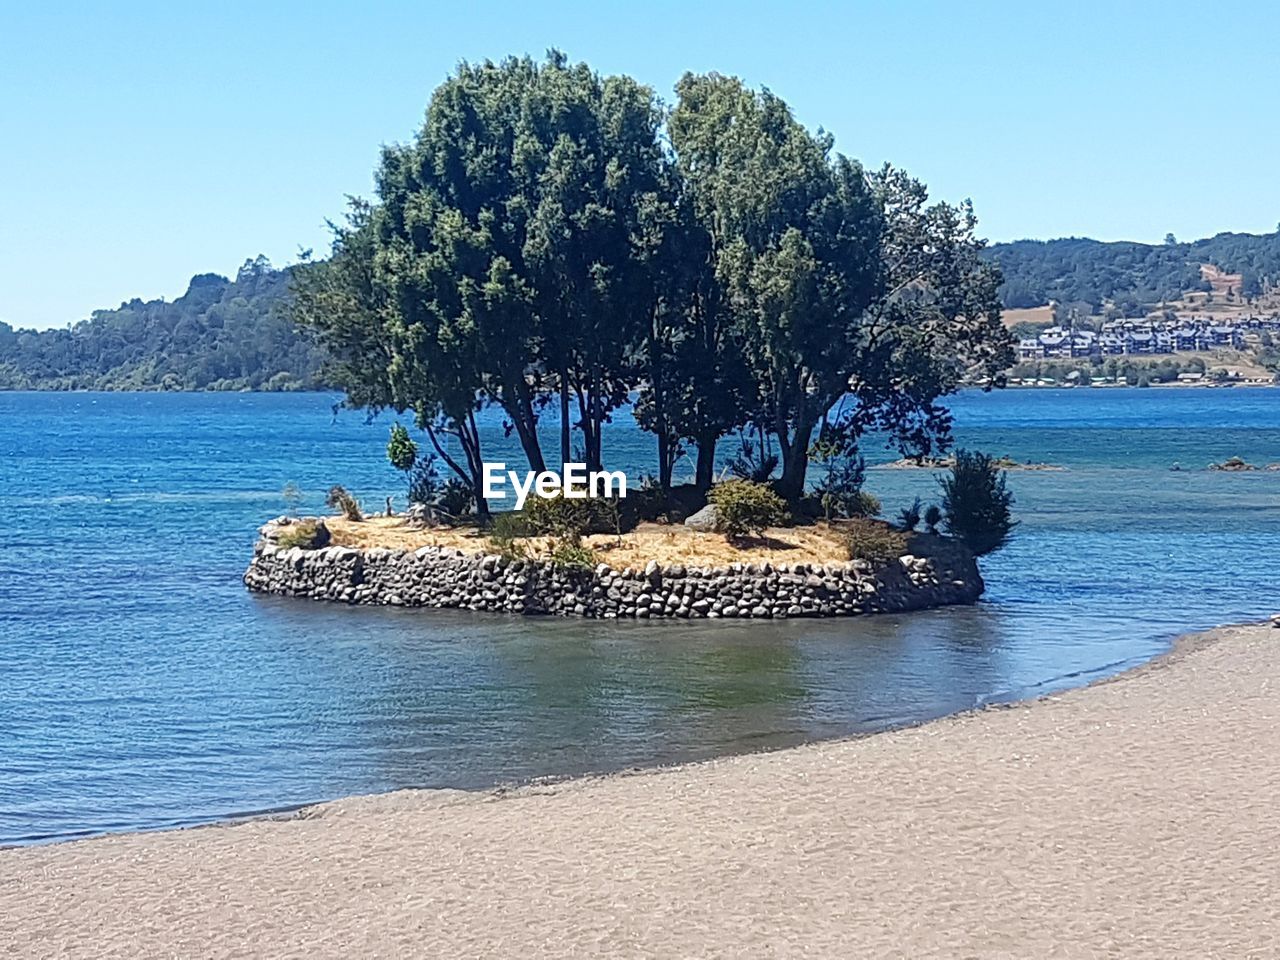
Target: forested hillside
220 335
233 335
1134 276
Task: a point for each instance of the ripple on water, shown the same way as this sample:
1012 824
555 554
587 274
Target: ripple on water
142 687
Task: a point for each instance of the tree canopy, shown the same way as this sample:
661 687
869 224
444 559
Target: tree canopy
553 236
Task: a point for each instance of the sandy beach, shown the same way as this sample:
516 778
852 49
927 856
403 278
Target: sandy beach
1133 818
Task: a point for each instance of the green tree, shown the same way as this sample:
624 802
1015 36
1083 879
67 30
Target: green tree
695 386
600 214
383 358
793 236
976 506
835 281
402 453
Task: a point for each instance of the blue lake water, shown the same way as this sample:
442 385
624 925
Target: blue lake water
141 686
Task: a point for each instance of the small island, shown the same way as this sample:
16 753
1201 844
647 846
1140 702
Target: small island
945 463
654 571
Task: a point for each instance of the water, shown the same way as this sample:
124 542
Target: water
141 686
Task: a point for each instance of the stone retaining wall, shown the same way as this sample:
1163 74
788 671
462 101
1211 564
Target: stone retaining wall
937 572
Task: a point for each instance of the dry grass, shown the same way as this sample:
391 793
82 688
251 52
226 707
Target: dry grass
1219 281
1028 315
649 541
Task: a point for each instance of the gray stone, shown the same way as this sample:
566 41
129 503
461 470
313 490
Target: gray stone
940 573
708 518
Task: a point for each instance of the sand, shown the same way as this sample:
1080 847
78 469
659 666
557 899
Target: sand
1135 818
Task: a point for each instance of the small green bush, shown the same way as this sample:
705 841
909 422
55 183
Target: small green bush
975 504
909 517
307 534
744 507
839 487
424 481
402 452
507 532
556 516
865 505
560 516
455 498
340 500
932 517
571 553
873 540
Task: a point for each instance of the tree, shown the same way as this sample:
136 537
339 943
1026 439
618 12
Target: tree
604 203
402 452
511 254
696 386
834 281
976 506
793 237
389 351
537 242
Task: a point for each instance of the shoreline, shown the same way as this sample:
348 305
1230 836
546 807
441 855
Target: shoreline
1130 815
509 789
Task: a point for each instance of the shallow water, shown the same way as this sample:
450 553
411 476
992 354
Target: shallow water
141 686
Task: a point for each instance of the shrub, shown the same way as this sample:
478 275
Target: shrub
507 532
975 504
560 516
556 516
424 481
455 499
873 540
744 507
839 489
909 517
339 499
570 552
932 517
755 462
865 505
308 534
401 450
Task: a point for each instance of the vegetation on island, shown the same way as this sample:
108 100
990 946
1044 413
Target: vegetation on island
976 504
745 508
557 238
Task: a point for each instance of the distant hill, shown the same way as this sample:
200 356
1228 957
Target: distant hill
233 335
220 335
1133 278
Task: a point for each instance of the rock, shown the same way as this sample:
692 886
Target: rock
1232 465
421 515
708 518
933 574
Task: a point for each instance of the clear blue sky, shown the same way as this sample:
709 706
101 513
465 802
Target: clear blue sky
141 143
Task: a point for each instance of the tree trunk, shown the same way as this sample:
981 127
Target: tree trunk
664 457
705 473
564 417
526 423
795 461
472 473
